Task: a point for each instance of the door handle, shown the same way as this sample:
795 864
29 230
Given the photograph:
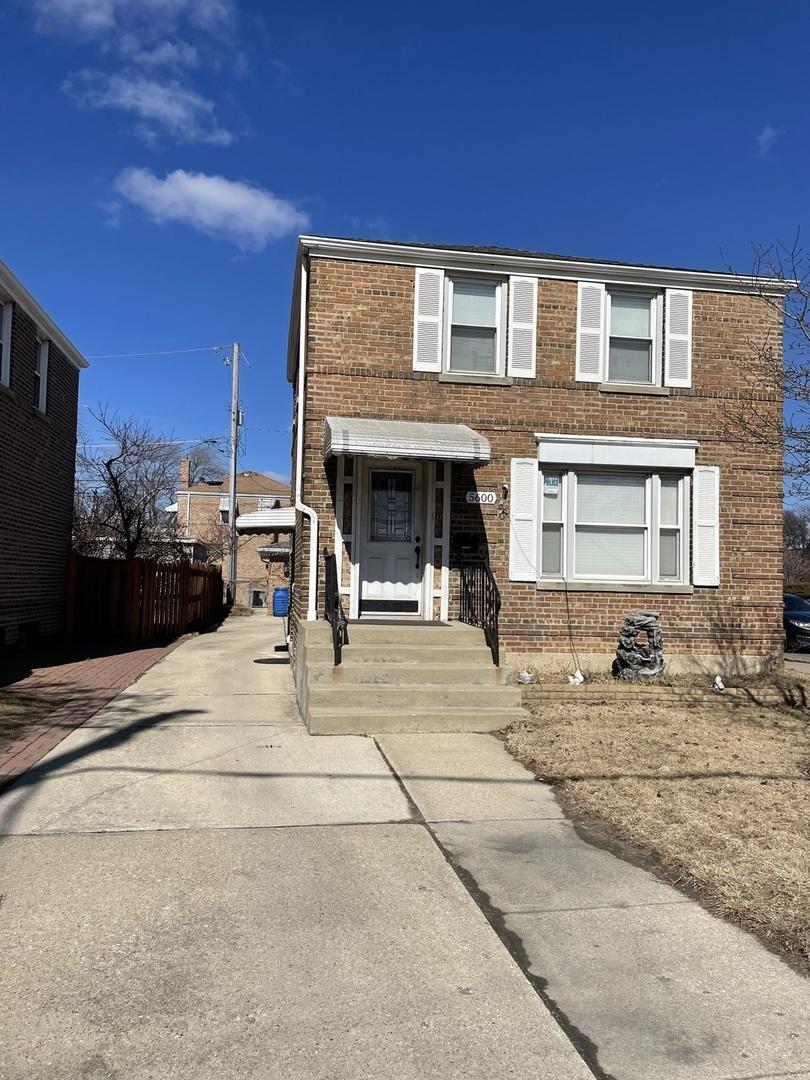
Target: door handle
418 551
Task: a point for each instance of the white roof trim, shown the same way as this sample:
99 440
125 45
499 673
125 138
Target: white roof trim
615 450
547 266
13 289
403 439
282 518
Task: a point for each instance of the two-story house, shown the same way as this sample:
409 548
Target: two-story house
39 393
264 523
560 422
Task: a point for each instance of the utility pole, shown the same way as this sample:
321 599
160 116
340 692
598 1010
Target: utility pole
232 471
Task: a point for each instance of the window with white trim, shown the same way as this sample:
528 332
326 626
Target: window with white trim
5 342
474 336
41 376
634 341
614 526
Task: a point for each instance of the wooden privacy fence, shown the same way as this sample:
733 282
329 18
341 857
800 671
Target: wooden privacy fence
139 600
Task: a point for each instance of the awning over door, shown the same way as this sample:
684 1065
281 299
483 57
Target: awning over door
403 439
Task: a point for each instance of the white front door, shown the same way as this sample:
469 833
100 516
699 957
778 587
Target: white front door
392 548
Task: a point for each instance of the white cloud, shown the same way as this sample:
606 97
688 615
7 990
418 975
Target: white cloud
163 107
248 216
167 54
114 21
766 138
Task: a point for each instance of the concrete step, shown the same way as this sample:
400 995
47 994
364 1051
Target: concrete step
341 721
438 697
433 634
395 653
481 672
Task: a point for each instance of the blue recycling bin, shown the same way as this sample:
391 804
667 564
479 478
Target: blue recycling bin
281 601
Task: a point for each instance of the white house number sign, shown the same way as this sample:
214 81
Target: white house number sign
483 498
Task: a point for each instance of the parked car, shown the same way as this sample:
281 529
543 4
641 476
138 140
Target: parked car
796 620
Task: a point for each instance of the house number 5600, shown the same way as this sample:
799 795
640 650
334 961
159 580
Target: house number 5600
487 498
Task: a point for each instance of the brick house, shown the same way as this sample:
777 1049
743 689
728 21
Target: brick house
39 392
264 524
561 419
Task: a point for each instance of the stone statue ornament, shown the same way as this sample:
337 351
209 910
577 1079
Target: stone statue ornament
637 659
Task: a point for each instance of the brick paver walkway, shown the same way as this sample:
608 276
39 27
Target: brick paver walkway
81 685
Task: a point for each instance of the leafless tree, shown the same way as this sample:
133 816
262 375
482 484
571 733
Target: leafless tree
123 483
773 377
797 545
205 462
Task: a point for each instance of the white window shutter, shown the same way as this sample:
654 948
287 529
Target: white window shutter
678 341
522 327
523 520
427 320
590 331
706 525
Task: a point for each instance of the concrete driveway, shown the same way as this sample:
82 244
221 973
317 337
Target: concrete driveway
192 887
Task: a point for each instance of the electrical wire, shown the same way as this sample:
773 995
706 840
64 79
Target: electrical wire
162 352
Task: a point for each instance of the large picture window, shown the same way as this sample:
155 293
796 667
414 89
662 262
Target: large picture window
614 526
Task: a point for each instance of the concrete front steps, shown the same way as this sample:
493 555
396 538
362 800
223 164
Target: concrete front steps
399 677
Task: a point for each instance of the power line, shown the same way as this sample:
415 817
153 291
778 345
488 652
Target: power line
162 352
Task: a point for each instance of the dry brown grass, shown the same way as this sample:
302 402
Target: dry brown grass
720 799
19 713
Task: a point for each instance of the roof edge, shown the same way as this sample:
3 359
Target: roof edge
541 265
18 293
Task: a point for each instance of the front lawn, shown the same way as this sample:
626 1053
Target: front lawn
718 797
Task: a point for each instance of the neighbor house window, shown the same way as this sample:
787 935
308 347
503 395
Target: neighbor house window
614 526
41 376
5 343
633 337
474 338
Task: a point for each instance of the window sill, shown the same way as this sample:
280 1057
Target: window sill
612 586
474 380
633 388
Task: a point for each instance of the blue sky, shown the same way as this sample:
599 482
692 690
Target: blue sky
160 156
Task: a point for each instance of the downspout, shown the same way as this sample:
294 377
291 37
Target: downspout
312 596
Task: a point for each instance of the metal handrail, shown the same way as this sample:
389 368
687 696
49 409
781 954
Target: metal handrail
333 608
480 601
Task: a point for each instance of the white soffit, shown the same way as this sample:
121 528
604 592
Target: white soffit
283 517
403 439
615 450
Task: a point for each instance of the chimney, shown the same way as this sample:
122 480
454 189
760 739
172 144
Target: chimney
184 468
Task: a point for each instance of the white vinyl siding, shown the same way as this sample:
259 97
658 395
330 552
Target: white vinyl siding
522 327
427 327
523 520
614 526
678 343
41 376
706 525
6 309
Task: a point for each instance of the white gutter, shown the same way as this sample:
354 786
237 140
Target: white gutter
312 601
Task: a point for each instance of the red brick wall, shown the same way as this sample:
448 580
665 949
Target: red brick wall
359 351
37 462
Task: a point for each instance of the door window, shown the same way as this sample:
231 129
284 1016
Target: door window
391 506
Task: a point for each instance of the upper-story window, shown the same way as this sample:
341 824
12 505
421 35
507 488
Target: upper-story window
5 343
474 325
475 332
633 350
41 376
632 337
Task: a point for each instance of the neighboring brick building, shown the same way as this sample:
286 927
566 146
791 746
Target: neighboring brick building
561 418
39 391
262 525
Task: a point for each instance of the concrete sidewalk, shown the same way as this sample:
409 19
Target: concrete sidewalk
194 887
647 984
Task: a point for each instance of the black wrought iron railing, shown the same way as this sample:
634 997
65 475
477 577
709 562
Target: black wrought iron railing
333 608
481 601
